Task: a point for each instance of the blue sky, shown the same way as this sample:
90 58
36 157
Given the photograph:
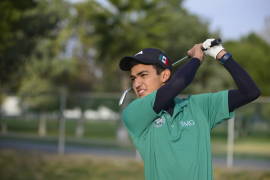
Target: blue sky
233 18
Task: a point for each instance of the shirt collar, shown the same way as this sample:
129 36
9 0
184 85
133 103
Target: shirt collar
180 104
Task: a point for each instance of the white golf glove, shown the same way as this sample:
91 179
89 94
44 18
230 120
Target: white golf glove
211 51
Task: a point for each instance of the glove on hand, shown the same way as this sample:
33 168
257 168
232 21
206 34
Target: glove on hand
211 51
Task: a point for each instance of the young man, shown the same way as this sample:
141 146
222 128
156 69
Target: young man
173 134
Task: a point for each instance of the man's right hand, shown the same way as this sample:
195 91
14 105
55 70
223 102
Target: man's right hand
196 52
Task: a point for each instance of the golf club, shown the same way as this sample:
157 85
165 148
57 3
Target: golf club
123 96
213 43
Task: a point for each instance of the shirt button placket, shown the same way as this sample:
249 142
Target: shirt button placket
170 120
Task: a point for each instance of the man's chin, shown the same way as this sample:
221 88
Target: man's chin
142 95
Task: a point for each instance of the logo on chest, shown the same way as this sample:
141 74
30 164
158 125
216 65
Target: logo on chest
159 122
187 123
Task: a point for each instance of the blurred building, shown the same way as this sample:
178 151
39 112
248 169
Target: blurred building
11 107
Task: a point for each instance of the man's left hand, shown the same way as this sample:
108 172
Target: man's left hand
212 51
196 52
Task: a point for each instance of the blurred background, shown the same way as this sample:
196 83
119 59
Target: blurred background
60 83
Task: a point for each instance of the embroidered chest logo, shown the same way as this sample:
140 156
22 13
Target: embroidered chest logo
159 122
187 123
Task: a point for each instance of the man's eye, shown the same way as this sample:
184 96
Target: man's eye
143 75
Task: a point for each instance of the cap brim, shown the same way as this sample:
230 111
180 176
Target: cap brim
126 62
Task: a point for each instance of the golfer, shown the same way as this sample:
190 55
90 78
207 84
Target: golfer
172 134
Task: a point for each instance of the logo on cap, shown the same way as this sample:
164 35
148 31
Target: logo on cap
164 59
141 52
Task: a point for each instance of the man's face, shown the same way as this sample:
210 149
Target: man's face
145 80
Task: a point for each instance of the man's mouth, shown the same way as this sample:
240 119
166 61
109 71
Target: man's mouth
141 92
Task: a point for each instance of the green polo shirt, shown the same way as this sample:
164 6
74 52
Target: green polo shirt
176 147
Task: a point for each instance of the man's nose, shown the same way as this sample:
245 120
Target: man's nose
137 83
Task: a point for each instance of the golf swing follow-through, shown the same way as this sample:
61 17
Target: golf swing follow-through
172 134
212 43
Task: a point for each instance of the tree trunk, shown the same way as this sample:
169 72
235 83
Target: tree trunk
4 128
42 127
80 126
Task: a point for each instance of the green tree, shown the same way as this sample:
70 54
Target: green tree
253 53
125 27
23 25
44 80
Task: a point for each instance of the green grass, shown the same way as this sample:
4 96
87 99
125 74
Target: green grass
17 165
93 129
240 174
248 147
26 166
103 133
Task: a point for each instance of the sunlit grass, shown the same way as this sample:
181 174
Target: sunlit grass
25 165
17 165
248 147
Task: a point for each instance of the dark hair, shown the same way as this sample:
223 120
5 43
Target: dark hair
158 67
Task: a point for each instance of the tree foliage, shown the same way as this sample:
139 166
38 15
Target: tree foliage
45 79
125 27
23 25
36 34
253 53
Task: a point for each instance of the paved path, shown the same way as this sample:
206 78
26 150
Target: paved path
254 164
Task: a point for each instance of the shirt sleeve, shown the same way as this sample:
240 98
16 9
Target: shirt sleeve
247 89
139 114
182 77
215 107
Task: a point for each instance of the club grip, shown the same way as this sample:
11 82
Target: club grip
215 42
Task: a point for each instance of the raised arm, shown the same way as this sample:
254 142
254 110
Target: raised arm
247 89
179 81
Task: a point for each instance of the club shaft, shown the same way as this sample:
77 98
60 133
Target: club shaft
213 43
123 96
178 61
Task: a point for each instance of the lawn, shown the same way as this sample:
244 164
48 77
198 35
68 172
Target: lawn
104 133
245 147
92 129
19 165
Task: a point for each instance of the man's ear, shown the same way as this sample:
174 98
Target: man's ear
165 75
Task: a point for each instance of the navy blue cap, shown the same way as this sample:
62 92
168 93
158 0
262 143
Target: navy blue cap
146 56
